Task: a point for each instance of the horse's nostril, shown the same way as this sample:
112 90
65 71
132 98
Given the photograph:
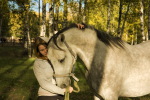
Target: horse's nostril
63 86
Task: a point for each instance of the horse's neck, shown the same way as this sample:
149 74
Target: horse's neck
90 50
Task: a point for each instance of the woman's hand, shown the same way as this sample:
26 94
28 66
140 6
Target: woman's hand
80 26
70 89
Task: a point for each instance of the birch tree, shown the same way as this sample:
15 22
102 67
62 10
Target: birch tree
108 17
51 19
125 18
80 12
142 19
149 20
65 14
56 21
39 16
27 38
43 26
120 17
85 12
27 6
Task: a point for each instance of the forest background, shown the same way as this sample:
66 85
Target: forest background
127 19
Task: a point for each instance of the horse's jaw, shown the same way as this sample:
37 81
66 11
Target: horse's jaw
85 57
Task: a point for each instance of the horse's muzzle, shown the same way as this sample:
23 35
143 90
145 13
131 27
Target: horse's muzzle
63 86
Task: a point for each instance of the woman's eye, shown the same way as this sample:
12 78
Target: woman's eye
61 60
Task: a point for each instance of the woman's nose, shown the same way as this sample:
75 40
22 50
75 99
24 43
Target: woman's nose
46 51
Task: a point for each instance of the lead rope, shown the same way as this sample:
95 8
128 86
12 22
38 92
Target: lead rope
75 79
67 90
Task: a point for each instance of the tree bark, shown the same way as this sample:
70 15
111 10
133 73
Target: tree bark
43 27
108 17
51 20
149 20
142 20
120 16
3 3
65 14
80 12
57 16
85 11
39 15
27 30
1 19
135 28
122 29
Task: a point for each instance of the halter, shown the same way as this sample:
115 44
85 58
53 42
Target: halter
71 74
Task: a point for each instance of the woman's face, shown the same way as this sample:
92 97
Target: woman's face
43 50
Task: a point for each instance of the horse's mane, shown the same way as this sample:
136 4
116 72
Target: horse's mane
103 36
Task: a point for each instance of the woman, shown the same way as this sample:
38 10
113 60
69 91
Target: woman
44 74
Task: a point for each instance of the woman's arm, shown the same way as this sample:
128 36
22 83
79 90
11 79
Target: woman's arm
44 82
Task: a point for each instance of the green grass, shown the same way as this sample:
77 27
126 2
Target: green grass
17 80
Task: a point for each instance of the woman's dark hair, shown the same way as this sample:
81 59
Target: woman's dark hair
38 42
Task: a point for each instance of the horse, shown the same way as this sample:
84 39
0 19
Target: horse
114 68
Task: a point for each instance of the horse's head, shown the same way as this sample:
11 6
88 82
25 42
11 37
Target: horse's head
62 59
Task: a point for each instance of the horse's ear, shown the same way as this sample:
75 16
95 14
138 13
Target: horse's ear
46 39
61 38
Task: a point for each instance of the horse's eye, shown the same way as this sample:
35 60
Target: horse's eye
61 60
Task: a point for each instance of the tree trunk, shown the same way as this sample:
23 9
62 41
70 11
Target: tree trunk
135 28
108 17
2 4
142 19
1 27
57 16
27 30
51 20
122 29
132 40
149 20
39 15
85 11
120 16
65 13
80 12
43 27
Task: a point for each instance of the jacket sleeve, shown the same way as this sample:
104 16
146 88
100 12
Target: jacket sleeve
44 82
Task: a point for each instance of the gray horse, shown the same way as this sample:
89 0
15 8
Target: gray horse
114 68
